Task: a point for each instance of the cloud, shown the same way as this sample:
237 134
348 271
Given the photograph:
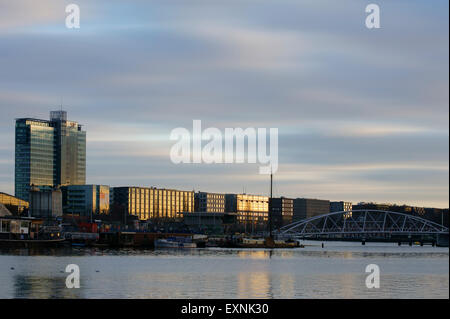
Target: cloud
362 114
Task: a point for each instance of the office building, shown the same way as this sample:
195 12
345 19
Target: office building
48 153
209 202
85 200
340 206
282 211
252 210
307 207
152 203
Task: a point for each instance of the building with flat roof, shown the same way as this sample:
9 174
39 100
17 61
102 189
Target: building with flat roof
209 202
48 153
307 207
252 210
45 203
85 200
152 203
282 211
340 206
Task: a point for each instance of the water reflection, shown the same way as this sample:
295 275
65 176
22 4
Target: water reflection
254 285
313 272
43 287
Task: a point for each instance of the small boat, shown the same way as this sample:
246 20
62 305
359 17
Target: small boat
172 242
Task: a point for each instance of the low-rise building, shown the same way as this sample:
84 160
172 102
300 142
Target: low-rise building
14 204
340 206
152 203
252 210
45 203
282 211
209 202
85 200
209 222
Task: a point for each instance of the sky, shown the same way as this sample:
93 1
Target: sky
362 114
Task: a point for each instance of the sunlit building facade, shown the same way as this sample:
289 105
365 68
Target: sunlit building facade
251 210
209 202
153 203
48 153
15 205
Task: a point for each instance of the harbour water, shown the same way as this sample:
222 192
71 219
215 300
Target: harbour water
335 271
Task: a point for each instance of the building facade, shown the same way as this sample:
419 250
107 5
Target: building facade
85 200
152 203
282 211
209 202
48 153
252 210
340 206
15 205
45 203
307 207
374 206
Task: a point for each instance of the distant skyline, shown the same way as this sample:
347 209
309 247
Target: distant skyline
362 114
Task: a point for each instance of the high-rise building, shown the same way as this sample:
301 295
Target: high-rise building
49 153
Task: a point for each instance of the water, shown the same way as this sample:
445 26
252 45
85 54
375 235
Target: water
335 271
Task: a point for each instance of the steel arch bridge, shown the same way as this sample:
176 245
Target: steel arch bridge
360 223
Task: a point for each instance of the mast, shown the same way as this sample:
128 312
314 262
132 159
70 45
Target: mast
270 205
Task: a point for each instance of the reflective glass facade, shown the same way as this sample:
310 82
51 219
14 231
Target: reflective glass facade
48 153
250 209
149 203
85 200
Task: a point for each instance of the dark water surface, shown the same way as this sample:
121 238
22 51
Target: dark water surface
335 271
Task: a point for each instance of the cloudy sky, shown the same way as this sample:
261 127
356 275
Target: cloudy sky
362 114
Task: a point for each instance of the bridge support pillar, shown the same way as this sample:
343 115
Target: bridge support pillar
363 242
399 243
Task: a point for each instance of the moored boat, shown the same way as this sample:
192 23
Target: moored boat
173 242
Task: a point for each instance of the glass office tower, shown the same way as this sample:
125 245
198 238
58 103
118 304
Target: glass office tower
49 153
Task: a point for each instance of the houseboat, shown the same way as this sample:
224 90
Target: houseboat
28 232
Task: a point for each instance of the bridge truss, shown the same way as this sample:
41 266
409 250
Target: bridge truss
361 223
